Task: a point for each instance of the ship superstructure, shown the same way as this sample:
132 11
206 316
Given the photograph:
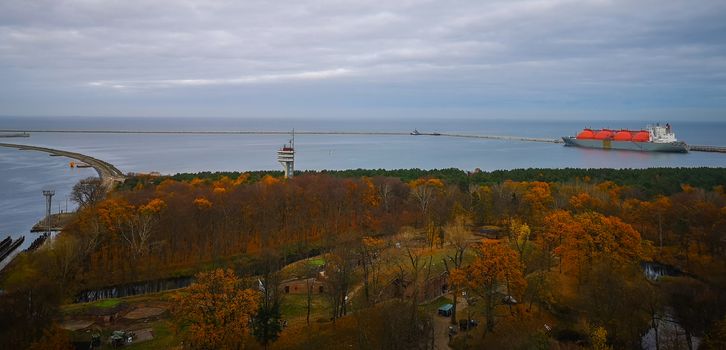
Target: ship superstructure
654 138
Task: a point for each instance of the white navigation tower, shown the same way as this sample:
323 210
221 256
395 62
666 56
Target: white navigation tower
286 157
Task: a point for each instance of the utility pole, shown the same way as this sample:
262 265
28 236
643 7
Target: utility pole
48 199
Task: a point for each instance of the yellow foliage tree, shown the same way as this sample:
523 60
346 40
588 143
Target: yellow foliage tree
269 180
216 311
202 203
495 275
590 236
598 338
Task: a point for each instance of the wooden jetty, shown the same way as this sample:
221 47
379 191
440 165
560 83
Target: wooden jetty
57 222
37 243
5 243
10 247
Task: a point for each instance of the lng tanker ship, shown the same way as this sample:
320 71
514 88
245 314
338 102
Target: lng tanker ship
654 138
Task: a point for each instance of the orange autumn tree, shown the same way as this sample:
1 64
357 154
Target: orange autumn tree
583 202
592 236
559 225
494 275
650 217
216 311
538 200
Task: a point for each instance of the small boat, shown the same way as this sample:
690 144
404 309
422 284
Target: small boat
415 132
78 165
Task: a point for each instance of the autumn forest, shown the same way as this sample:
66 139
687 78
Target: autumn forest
367 259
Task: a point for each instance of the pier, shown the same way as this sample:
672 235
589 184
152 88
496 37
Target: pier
57 222
108 173
7 246
504 138
703 148
20 134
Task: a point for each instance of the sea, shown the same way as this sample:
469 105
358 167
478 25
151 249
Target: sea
24 174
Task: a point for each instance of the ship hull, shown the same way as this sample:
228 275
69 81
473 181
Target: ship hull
678 147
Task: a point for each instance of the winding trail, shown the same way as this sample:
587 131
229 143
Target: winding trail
108 173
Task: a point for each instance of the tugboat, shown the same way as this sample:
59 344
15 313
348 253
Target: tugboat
415 132
654 138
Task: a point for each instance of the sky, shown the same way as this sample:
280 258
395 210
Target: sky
529 59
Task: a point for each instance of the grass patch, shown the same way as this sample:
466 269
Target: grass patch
295 305
92 307
437 303
317 262
108 303
105 304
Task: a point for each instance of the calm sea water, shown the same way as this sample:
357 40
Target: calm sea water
24 174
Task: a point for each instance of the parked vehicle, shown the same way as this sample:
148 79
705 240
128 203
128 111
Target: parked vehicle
467 324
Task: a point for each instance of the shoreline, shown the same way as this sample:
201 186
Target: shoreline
108 173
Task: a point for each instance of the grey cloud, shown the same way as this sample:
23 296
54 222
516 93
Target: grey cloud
526 50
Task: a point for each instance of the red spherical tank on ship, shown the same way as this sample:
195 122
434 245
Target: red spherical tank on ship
603 134
641 136
623 135
586 134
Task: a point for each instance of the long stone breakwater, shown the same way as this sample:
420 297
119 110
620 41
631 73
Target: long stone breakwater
108 173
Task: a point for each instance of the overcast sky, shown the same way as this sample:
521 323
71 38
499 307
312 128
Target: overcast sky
356 59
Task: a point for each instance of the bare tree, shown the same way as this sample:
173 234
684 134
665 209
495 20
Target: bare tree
88 192
136 227
458 237
338 278
136 231
369 251
311 273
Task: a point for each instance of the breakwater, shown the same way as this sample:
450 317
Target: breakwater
704 148
108 173
504 138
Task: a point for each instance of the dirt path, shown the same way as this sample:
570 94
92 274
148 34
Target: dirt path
441 325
